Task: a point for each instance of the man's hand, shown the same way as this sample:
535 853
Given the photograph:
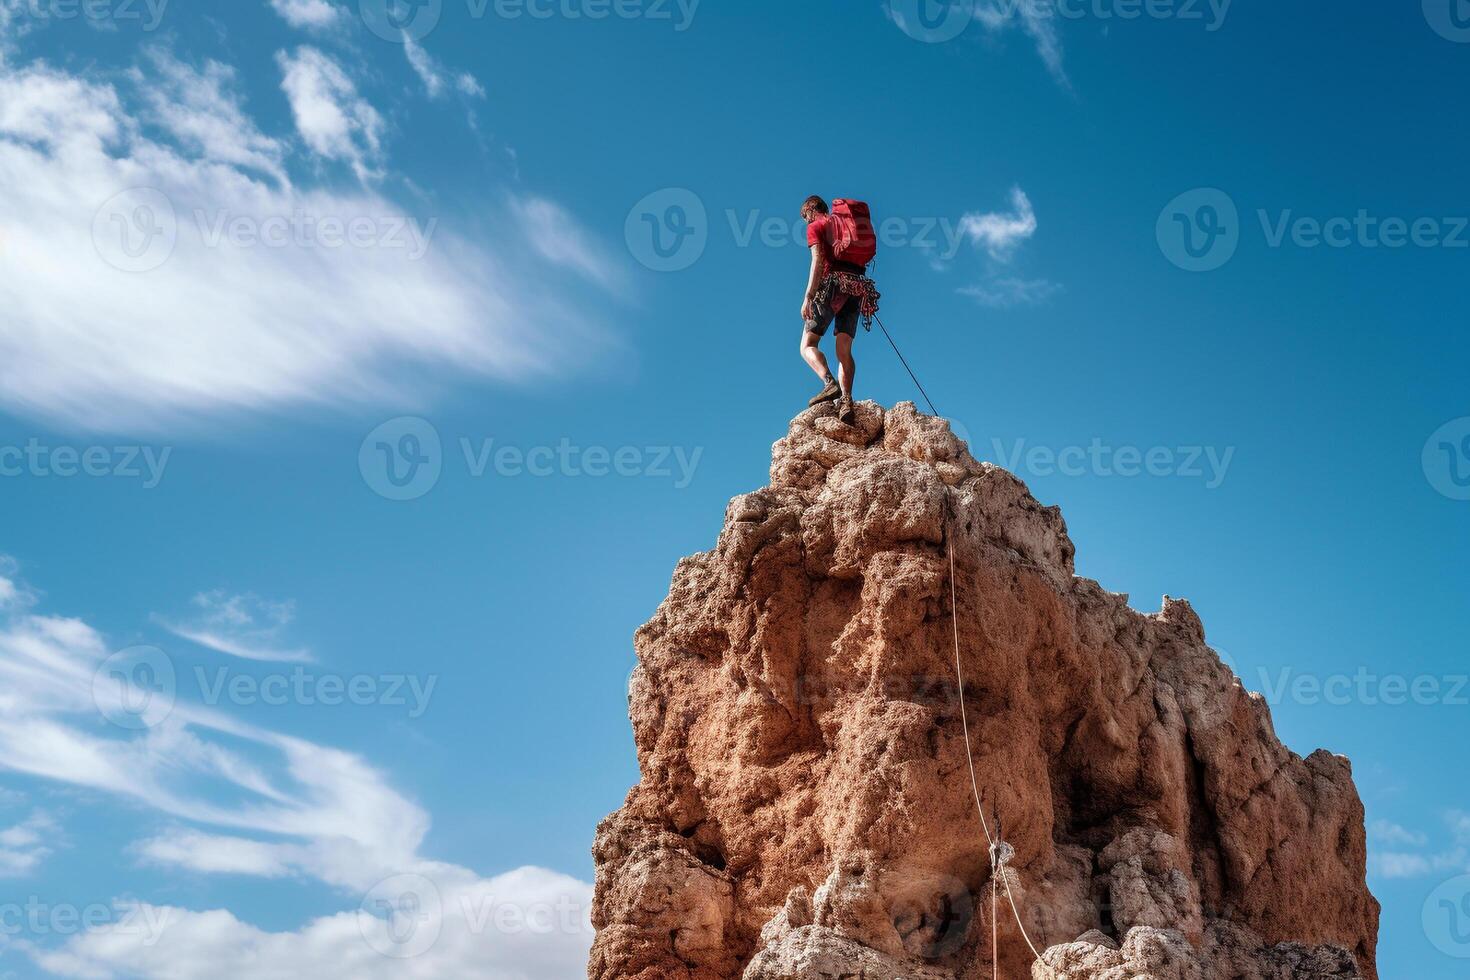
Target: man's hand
808 310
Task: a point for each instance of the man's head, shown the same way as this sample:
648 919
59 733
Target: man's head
812 207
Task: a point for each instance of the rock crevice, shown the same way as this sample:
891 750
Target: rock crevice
805 808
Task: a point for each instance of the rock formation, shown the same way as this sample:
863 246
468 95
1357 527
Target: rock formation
805 807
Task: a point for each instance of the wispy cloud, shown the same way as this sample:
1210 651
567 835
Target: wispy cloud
25 845
423 65
214 323
12 593
332 118
1000 233
311 14
1009 292
1387 832
193 850
244 626
238 799
528 924
1398 852
201 109
1038 19
7 33
436 79
557 237
469 85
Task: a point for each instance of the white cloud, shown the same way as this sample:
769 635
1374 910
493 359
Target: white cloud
25 845
1400 864
201 109
333 120
1392 864
529 924
436 83
1459 822
1418 862
12 593
469 85
557 237
1008 292
1037 19
245 626
224 323
423 65
999 234
313 14
12 28
289 807
217 854
1392 833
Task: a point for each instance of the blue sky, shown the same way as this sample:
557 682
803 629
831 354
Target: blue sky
349 406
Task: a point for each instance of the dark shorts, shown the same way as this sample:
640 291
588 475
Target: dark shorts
846 317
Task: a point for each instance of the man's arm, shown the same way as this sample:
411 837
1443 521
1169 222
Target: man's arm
819 269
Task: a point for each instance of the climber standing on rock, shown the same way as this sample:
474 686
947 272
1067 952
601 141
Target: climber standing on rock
842 243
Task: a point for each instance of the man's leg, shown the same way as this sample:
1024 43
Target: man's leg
846 366
812 354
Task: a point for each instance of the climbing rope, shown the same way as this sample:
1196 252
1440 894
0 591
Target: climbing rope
994 932
1001 853
905 363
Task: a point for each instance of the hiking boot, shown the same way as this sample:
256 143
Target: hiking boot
827 394
845 414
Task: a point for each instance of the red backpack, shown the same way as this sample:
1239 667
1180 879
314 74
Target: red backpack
851 228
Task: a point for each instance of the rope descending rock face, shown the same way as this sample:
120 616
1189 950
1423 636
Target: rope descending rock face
1001 853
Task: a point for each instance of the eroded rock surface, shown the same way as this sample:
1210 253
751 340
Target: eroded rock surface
805 809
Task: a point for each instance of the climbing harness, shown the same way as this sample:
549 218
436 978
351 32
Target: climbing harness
852 284
1001 853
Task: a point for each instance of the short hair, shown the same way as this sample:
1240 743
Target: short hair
816 203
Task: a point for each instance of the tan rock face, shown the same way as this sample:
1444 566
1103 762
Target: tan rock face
805 809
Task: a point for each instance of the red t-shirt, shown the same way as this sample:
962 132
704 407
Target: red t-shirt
816 234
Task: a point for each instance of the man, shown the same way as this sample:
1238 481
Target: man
821 304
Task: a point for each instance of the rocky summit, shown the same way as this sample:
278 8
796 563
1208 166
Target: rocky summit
805 808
